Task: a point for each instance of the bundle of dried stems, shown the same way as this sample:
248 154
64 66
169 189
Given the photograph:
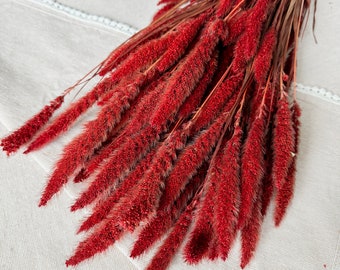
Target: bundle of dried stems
197 131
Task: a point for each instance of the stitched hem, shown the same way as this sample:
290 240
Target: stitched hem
318 92
118 26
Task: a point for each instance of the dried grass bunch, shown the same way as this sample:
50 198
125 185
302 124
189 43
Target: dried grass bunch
197 131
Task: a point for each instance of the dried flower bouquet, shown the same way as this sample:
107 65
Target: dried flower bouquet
197 131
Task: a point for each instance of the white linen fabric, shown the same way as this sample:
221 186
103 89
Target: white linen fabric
45 47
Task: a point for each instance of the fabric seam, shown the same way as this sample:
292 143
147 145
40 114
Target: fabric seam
337 254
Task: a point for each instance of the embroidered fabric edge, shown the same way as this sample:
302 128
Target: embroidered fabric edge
318 92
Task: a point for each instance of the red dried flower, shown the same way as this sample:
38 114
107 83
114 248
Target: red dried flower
102 209
228 193
250 233
252 168
283 142
285 193
165 217
165 253
264 56
64 121
97 242
189 72
122 159
146 196
14 141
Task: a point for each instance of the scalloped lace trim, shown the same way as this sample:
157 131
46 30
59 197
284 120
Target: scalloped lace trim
129 30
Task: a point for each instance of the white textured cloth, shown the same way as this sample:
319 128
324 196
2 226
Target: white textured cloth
46 47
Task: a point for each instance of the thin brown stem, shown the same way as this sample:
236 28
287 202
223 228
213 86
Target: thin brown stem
196 115
233 12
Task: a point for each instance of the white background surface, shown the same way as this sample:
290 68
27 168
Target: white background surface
43 51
